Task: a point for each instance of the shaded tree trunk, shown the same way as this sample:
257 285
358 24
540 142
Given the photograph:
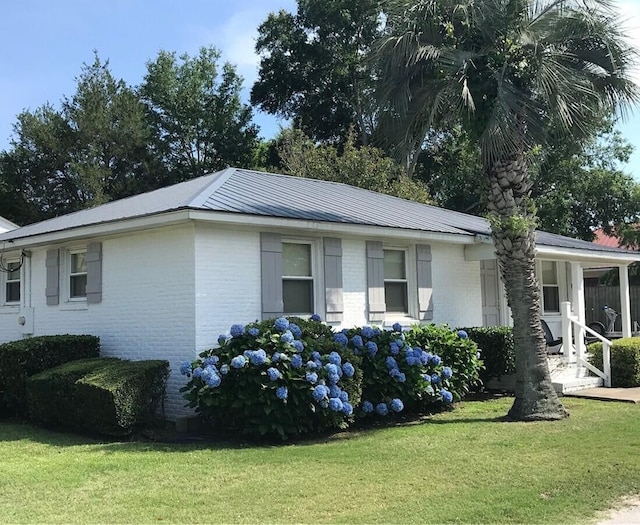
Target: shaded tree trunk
513 225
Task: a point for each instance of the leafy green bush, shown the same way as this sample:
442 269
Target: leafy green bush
24 358
497 350
457 351
625 361
395 375
105 396
276 378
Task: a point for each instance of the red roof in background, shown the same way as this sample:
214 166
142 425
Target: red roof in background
609 241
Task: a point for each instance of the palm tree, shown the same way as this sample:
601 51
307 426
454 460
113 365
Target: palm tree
508 68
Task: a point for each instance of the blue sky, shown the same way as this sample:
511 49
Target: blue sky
43 44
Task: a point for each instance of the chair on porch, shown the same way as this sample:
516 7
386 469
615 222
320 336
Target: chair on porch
548 337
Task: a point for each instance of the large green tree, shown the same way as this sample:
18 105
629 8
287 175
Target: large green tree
93 149
314 71
194 106
505 68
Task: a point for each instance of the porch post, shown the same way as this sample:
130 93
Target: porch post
577 298
567 347
625 311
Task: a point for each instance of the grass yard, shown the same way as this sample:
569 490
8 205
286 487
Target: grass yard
466 466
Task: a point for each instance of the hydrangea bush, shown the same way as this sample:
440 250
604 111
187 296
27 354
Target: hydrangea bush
457 351
396 375
276 378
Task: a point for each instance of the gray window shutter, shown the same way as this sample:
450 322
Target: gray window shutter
271 274
94 273
333 280
53 277
375 281
425 283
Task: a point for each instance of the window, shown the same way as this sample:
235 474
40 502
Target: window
297 278
78 275
395 281
550 287
12 282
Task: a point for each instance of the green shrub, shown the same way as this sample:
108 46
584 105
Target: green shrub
625 361
277 378
24 358
497 350
457 351
396 376
105 396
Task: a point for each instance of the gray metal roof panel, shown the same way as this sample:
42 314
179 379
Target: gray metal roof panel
560 241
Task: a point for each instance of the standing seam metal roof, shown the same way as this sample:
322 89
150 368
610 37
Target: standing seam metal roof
273 195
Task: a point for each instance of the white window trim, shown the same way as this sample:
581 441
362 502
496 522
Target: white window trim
552 285
5 305
66 274
316 275
411 316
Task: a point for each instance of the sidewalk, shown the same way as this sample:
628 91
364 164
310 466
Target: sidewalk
627 514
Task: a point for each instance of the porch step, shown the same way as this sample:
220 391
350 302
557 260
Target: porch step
567 384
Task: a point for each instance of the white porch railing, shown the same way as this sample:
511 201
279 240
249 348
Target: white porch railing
568 323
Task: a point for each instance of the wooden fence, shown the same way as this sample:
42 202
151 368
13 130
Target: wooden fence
595 297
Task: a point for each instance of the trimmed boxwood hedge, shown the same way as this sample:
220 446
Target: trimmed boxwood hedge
26 357
104 396
625 361
497 350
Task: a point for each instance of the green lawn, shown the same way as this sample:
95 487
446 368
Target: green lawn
466 466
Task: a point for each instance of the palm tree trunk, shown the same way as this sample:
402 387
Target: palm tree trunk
513 225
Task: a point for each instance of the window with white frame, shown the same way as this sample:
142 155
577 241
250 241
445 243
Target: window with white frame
297 278
12 282
77 274
395 281
550 287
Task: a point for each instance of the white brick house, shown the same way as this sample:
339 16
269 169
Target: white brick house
160 275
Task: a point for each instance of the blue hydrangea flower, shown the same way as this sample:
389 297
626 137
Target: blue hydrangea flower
335 404
397 375
211 377
435 360
394 348
367 407
318 363
298 345
447 372
281 324
320 392
334 357
257 357
341 338
273 373
334 391
277 356
296 361
211 360
372 348
315 355
397 405
368 332
287 337
197 372
462 334
333 378
311 377
324 403
237 330
344 396
424 357
282 392
295 330
331 368
185 368
224 370
391 363
253 331
315 317
356 340
238 361
435 379
348 369
447 396
311 365
397 327
222 339
347 408
410 358
382 409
